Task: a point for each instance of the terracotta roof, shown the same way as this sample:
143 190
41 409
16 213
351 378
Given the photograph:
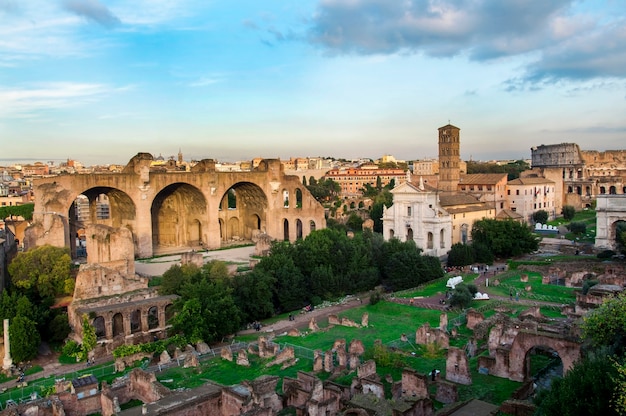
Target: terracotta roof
508 214
457 198
531 181
481 178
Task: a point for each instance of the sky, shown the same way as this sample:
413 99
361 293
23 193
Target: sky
99 81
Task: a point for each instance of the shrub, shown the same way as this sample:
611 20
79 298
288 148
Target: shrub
577 227
375 298
568 212
606 254
461 297
588 284
72 348
540 216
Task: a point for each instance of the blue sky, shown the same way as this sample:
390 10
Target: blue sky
101 80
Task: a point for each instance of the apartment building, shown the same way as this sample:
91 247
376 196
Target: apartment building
353 180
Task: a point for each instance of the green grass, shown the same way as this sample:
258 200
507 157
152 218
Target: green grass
227 373
547 292
588 217
435 288
130 404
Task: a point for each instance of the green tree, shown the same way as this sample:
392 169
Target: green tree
25 211
577 227
460 255
568 212
482 254
44 271
461 296
58 329
505 238
253 294
355 222
540 216
176 277
89 337
588 388
606 325
206 311
25 339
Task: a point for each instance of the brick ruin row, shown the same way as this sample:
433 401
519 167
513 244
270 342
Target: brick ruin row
506 340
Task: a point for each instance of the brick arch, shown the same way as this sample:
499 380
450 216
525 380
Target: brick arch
248 217
137 318
569 351
177 211
145 196
122 211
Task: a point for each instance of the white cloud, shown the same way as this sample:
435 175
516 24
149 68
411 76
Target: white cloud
26 101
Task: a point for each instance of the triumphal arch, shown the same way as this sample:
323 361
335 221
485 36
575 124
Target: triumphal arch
610 211
173 211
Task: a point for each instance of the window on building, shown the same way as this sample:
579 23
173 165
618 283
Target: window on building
517 192
408 211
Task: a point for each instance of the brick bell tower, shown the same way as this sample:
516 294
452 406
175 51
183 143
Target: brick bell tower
449 158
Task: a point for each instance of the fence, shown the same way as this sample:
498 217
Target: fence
28 392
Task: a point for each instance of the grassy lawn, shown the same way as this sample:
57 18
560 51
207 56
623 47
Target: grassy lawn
548 292
436 287
588 217
387 322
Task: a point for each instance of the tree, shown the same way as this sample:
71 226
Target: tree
89 337
577 227
504 238
176 277
588 388
354 223
568 212
252 293
58 329
461 296
606 325
482 254
44 271
25 211
540 216
24 338
460 255
207 311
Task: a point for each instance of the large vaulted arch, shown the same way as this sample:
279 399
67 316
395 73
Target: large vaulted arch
242 212
178 214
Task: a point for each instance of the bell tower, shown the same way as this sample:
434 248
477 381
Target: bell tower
449 158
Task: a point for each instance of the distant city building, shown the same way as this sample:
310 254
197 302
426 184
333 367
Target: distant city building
425 167
353 180
529 195
579 175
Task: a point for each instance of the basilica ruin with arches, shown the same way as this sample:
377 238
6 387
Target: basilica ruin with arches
172 211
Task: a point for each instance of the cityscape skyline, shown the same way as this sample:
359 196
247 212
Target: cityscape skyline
99 81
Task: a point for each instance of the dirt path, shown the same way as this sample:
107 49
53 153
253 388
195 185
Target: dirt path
301 320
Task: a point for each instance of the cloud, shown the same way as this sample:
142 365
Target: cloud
92 10
600 52
8 6
28 100
562 39
486 29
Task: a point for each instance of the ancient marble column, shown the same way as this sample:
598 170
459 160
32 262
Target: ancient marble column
8 362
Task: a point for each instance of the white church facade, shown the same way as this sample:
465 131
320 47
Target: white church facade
417 215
